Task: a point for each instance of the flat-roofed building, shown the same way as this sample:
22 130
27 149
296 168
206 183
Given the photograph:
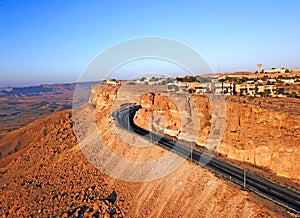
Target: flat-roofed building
272 89
245 89
275 70
111 82
228 88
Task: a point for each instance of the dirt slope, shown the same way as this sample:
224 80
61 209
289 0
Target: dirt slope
53 177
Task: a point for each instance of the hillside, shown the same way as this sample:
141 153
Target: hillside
260 135
52 177
20 106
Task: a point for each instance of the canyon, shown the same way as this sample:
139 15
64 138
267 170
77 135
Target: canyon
51 173
257 131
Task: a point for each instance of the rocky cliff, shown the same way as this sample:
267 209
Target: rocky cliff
53 177
260 136
254 133
163 111
263 137
102 95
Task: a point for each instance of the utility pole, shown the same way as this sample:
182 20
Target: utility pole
244 179
191 153
151 127
128 120
150 134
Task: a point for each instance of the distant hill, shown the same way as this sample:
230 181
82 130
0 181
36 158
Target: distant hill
41 89
25 104
241 73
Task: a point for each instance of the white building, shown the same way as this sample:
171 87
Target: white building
275 70
288 80
111 82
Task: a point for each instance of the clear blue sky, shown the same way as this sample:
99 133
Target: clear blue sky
53 41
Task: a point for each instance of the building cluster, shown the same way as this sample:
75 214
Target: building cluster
245 87
280 70
255 88
275 70
230 84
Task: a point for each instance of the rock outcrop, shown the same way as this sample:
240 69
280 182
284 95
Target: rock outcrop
263 137
260 136
53 177
102 95
254 133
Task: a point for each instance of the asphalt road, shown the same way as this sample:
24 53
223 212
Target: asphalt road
248 180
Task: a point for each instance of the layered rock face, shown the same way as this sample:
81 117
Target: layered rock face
266 138
191 191
174 115
102 95
158 112
53 177
263 137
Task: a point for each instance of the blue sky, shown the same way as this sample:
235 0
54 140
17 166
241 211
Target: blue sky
53 41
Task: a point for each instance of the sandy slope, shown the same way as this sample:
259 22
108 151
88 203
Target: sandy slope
53 177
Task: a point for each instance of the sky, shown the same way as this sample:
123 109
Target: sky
54 41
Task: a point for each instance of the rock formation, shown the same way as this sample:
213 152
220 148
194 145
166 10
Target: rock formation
260 136
52 176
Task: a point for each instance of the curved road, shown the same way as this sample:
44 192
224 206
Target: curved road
278 193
